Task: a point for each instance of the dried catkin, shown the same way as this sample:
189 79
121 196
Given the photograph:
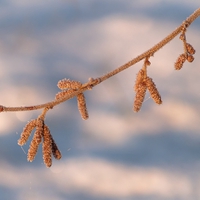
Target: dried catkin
27 132
55 151
47 147
139 96
82 106
68 84
153 90
139 79
33 147
179 62
63 94
39 130
190 49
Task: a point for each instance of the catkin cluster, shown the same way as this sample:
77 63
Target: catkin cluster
68 87
142 84
41 135
189 51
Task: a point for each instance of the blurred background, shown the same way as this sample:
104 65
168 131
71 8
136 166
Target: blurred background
116 154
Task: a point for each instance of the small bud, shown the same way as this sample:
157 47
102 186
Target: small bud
182 36
190 58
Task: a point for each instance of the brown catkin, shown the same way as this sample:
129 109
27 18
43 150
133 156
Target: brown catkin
139 79
33 147
47 147
179 62
190 49
82 106
27 132
63 94
153 90
39 130
55 151
68 84
139 96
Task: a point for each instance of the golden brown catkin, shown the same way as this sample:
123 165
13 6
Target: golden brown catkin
39 130
63 94
47 147
139 79
34 146
179 62
190 49
27 132
55 151
153 90
139 96
82 106
68 84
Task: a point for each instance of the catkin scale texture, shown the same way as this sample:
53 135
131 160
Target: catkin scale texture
153 91
63 94
139 96
47 146
139 79
33 147
179 62
82 106
27 132
68 84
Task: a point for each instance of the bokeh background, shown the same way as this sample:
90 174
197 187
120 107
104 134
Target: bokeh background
116 154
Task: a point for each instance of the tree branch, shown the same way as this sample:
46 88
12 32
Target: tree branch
93 82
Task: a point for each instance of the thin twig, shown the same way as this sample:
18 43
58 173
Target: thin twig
94 82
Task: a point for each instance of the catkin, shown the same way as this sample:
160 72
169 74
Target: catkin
153 90
55 151
139 79
63 94
179 62
39 130
68 84
139 97
27 132
82 106
190 49
33 147
47 147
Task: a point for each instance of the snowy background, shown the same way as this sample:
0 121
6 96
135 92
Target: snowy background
116 154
